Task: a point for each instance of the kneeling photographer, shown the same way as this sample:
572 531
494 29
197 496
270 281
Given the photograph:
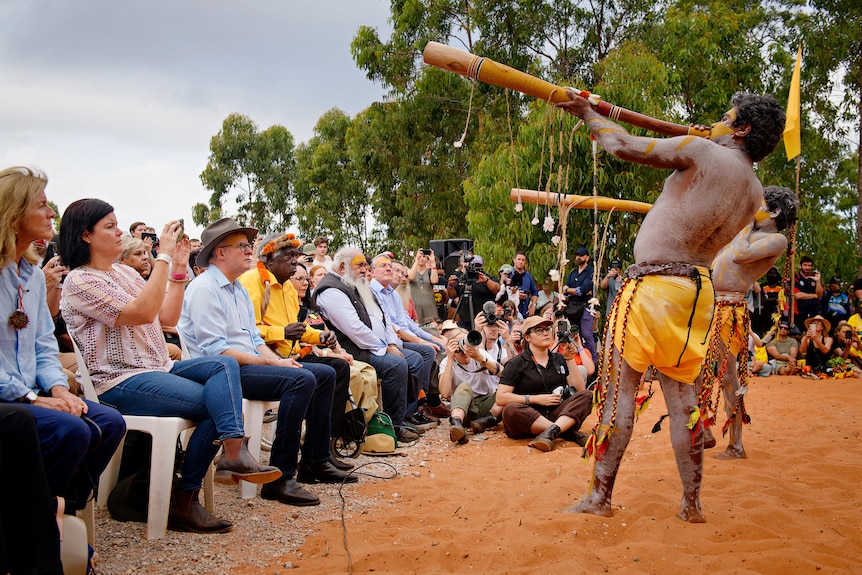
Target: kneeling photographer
470 373
543 393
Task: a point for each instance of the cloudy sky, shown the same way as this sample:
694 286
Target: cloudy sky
118 100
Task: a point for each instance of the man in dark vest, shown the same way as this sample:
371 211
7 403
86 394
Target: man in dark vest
357 319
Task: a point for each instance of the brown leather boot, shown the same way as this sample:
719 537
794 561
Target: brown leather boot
244 467
187 514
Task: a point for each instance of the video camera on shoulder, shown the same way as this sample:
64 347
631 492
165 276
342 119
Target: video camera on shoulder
471 273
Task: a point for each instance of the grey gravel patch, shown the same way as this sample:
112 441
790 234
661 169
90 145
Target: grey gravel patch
265 533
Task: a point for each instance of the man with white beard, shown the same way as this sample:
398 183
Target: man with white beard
349 307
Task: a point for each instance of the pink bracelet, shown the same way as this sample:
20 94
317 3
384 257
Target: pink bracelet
179 277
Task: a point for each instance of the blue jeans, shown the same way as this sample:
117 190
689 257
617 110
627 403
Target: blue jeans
393 372
75 453
206 390
587 337
420 358
302 394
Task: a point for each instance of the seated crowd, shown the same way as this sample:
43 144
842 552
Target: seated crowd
263 319
820 339
169 326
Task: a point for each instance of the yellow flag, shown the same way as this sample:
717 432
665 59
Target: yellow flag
793 128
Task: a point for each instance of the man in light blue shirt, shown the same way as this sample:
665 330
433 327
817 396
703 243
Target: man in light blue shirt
410 337
218 318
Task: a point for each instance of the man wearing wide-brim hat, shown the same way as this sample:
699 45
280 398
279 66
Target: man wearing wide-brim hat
816 345
218 318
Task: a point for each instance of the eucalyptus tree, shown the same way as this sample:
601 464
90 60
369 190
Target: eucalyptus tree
253 168
331 197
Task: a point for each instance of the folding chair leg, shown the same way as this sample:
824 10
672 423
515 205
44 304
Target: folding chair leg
253 423
89 517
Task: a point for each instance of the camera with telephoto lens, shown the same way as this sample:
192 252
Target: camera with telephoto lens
489 310
472 339
565 391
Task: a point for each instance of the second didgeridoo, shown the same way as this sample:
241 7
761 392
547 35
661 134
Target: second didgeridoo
584 202
491 72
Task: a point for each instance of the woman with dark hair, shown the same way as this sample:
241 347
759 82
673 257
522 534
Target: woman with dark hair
115 317
543 392
77 437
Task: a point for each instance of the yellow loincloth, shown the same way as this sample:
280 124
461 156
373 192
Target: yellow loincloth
655 329
731 324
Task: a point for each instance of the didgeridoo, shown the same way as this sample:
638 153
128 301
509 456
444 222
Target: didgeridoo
491 72
585 202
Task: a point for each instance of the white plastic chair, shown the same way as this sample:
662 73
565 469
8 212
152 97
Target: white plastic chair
252 417
164 431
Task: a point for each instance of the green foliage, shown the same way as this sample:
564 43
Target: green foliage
403 150
831 37
257 166
331 197
630 75
677 60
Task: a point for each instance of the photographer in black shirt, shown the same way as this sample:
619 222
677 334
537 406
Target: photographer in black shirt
543 392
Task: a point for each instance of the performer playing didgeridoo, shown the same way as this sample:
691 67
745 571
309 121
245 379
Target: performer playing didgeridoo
748 257
664 308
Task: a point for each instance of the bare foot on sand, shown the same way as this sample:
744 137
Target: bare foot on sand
691 513
586 505
732 453
708 439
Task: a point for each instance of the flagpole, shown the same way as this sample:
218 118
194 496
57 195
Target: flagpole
793 244
793 146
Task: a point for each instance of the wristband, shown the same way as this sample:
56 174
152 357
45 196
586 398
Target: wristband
179 277
527 400
164 258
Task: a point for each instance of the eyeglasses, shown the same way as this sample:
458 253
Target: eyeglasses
541 330
303 279
243 246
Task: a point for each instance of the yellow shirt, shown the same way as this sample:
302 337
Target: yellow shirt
856 323
283 310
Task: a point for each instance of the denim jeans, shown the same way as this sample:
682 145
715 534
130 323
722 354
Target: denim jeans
75 453
303 394
420 358
206 390
393 372
587 337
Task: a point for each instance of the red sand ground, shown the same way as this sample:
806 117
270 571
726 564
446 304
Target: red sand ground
493 506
